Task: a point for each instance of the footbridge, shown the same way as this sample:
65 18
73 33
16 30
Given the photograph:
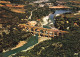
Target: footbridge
45 32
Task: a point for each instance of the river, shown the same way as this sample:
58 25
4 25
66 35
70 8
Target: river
49 20
34 39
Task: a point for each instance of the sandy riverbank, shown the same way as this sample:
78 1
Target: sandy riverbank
21 43
40 39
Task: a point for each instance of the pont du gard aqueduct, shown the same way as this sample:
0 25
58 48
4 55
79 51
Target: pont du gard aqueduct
45 32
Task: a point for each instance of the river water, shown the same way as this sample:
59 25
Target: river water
49 20
57 13
34 39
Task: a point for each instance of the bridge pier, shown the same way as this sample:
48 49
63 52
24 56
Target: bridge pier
57 33
34 31
39 33
53 35
48 33
43 33
29 29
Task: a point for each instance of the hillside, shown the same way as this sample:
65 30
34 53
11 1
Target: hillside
67 45
10 33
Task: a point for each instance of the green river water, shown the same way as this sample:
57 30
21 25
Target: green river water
32 40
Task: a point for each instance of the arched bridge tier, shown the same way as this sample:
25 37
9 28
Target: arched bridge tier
42 31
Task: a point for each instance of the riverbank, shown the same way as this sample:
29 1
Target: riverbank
40 39
20 44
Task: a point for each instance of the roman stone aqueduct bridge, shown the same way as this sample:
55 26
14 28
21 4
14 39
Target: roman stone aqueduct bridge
42 31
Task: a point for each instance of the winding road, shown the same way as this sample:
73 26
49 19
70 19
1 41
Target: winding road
31 13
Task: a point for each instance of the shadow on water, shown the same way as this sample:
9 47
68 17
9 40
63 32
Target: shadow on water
32 40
